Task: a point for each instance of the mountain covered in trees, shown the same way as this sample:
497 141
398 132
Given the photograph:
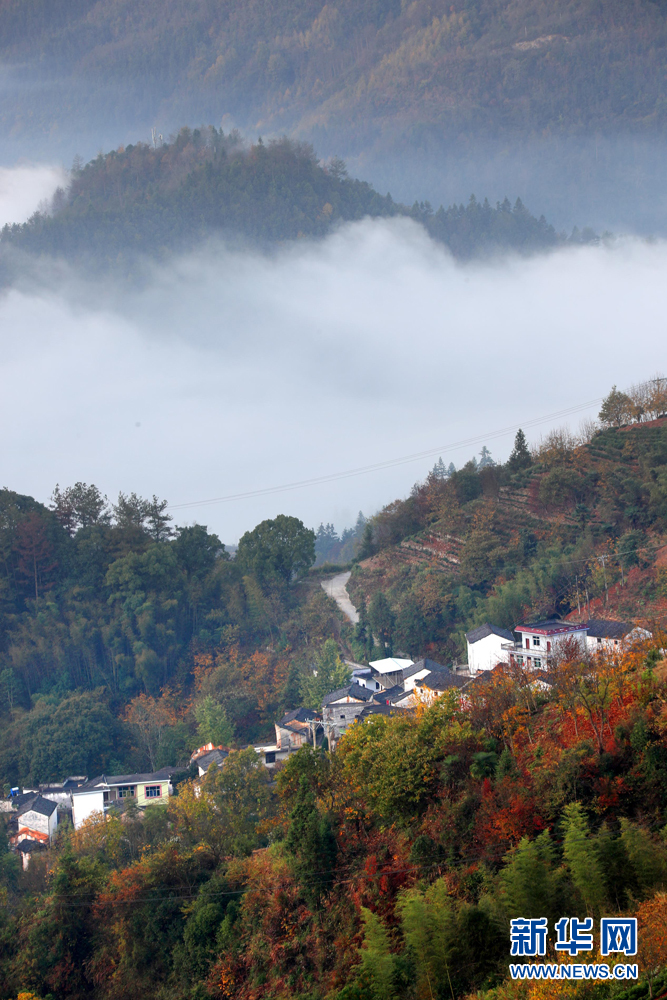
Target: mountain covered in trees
149 199
390 867
372 72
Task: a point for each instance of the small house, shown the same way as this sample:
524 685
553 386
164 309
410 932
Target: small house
215 756
486 647
389 671
610 636
343 706
37 820
104 793
538 643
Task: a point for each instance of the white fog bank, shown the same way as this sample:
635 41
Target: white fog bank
232 372
22 189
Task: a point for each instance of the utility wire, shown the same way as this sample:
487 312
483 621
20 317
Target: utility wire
76 900
392 462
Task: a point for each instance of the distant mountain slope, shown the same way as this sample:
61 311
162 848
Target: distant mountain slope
152 200
572 527
443 68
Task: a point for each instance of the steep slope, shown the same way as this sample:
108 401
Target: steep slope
579 528
463 67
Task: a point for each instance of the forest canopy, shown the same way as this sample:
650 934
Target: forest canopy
149 199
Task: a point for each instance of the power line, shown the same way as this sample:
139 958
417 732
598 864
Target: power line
390 463
77 900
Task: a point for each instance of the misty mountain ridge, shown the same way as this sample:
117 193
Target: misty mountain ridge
376 70
148 200
561 104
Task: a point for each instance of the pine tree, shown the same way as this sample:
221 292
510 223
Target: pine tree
311 841
520 457
486 459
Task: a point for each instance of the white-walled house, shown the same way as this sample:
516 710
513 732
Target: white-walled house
38 820
486 647
98 795
538 642
610 636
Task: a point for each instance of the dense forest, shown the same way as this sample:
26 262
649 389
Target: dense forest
391 867
388 869
147 200
423 73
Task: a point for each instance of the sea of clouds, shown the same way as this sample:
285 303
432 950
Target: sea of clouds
230 371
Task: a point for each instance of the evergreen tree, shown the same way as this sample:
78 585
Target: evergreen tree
439 470
367 547
330 674
213 725
158 520
311 841
520 457
485 459
382 621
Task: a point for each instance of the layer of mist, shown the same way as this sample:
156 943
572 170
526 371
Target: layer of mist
233 371
22 189
615 183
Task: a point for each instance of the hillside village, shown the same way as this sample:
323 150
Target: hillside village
314 772
529 656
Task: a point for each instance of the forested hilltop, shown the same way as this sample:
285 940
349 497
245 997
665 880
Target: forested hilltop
576 525
419 72
391 867
149 199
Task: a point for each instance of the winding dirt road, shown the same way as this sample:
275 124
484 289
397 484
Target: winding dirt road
334 587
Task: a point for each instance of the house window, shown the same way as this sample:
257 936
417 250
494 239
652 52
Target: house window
519 660
548 647
126 792
599 641
538 664
153 791
377 686
270 757
342 716
616 642
536 640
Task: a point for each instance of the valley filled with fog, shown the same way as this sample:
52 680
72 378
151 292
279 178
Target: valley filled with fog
226 371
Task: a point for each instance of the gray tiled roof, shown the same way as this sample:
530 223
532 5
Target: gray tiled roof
482 631
355 691
423 664
379 710
127 779
212 757
391 694
27 846
297 715
442 680
600 628
45 807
